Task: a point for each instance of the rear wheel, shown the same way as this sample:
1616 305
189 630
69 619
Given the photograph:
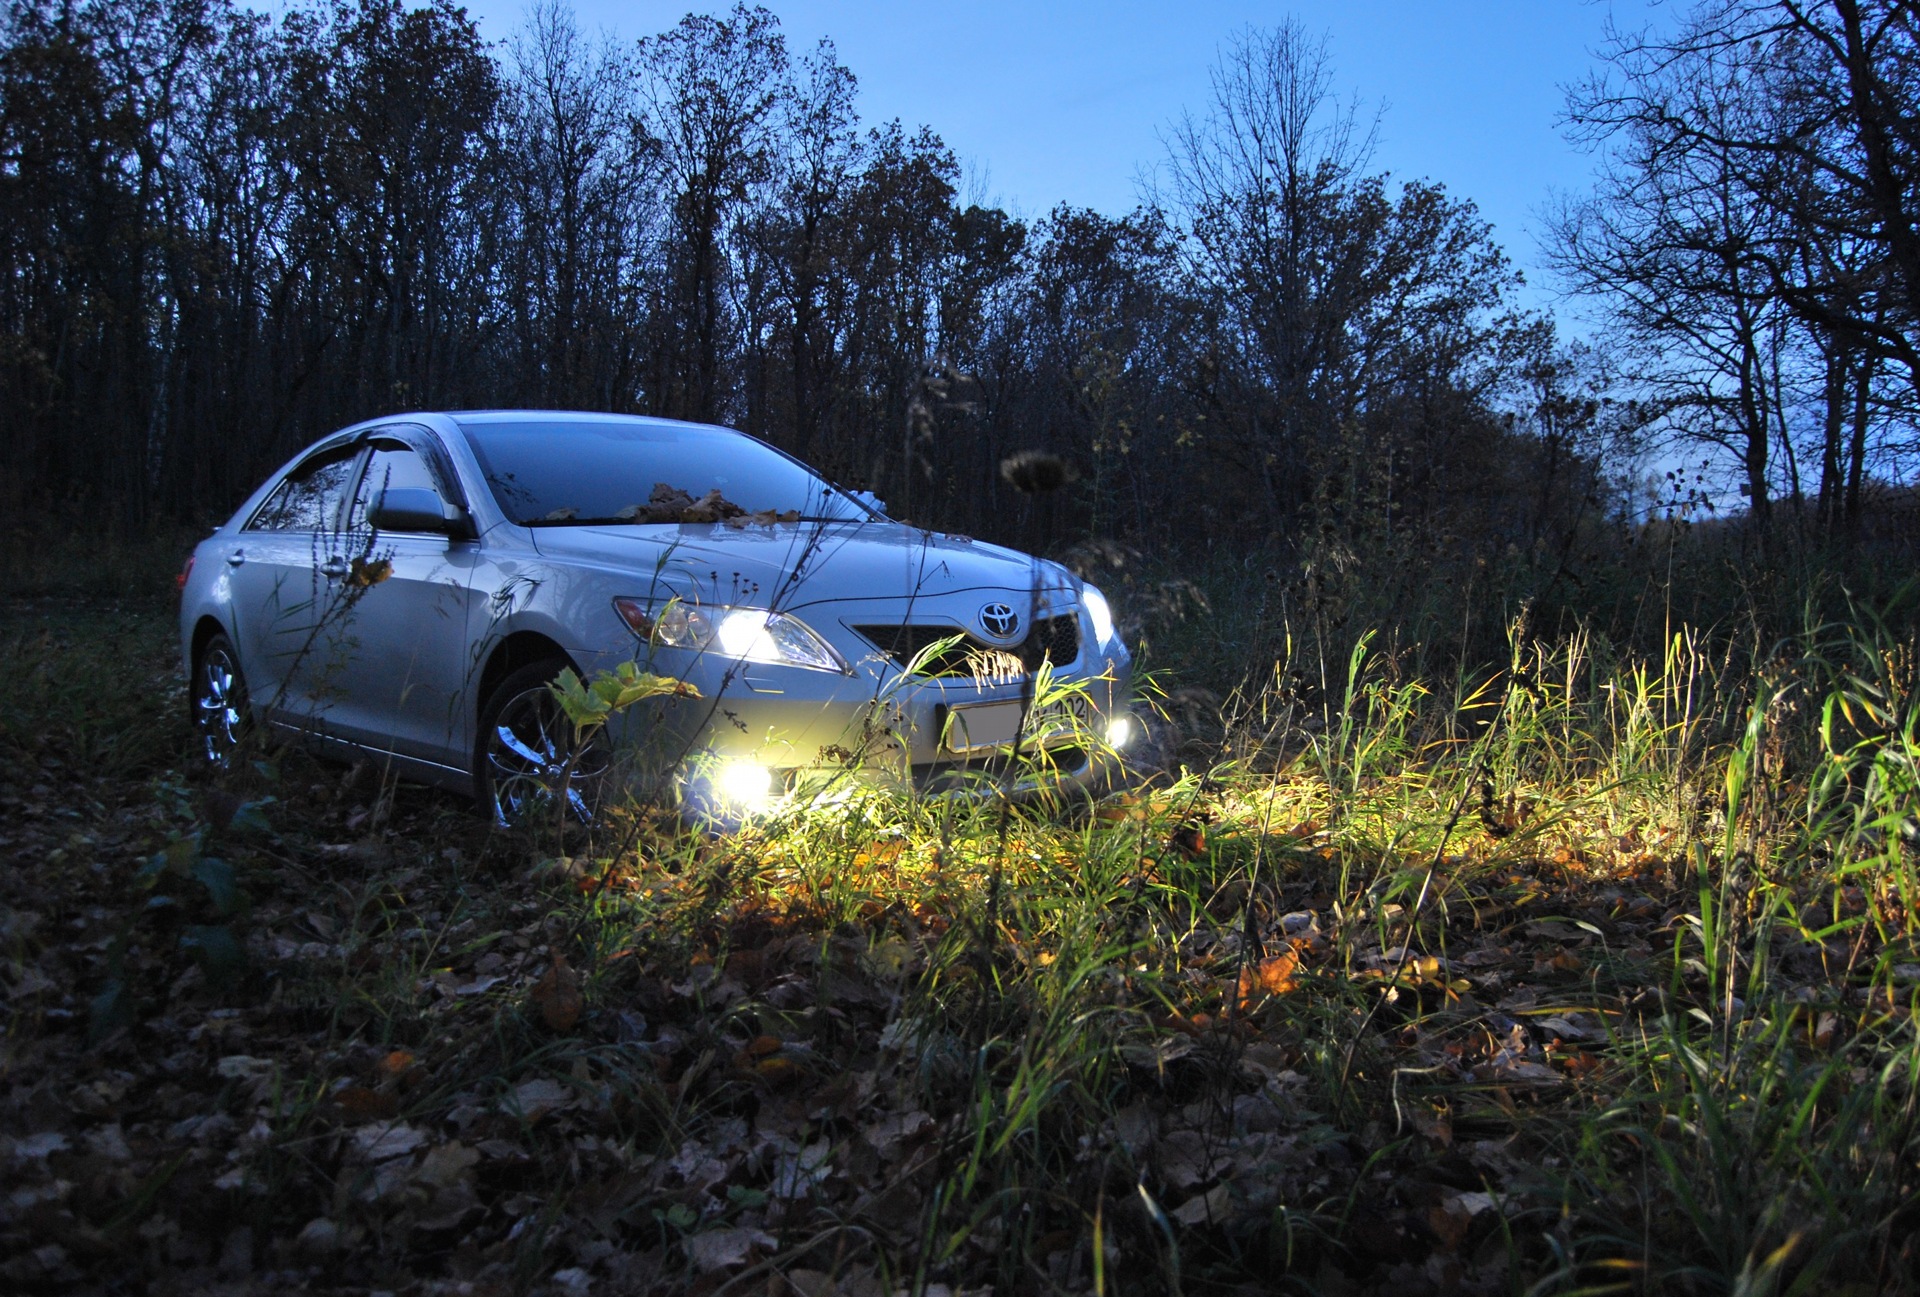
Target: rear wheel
528 763
219 702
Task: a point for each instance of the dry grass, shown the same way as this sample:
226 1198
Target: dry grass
1587 975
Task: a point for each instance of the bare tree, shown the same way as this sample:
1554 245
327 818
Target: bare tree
581 220
227 234
1334 320
1755 226
712 88
800 238
1683 255
1261 182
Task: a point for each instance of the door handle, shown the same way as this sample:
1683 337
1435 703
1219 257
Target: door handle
334 567
236 558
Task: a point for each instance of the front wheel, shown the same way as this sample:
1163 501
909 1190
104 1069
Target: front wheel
528 762
219 702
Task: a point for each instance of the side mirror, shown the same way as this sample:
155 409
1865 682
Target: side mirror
871 500
412 508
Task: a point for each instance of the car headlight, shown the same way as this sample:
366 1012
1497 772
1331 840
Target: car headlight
750 634
1098 613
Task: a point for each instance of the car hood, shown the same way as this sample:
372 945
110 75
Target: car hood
793 565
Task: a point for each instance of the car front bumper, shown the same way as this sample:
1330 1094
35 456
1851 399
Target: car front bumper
760 736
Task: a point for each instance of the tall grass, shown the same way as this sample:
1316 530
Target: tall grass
1088 1016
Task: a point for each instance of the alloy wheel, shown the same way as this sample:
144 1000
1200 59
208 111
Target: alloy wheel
219 704
534 762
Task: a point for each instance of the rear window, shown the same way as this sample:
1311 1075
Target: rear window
573 472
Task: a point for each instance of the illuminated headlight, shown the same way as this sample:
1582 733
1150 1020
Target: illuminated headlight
1121 731
742 785
1098 613
750 634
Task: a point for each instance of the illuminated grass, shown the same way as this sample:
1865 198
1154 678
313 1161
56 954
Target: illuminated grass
1585 972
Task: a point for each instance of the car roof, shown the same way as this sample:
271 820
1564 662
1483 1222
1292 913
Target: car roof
485 417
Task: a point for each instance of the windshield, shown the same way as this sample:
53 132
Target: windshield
570 472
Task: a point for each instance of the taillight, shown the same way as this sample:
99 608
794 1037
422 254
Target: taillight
180 582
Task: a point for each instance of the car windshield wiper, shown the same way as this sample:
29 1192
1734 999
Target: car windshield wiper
632 522
571 522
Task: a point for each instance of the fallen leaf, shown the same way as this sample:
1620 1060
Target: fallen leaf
1156 1054
358 1103
1433 1126
1271 976
535 1099
1580 1062
1825 1026
1511 1071
1136 1126
778 1070
33 982
1209 1208
1188 1159
887 1134
447 1165
722 1249
1553 929
383 1143
242 1067
1449 1224
318 1237
1564 1028
110 1142
34 1147
557 996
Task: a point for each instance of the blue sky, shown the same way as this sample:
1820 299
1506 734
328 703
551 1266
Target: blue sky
1068 101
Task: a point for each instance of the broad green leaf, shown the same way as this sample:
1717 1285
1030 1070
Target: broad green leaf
109 1011
252 817
591 704
220 953
217 875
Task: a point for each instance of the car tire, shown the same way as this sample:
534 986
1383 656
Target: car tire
217 702
525 760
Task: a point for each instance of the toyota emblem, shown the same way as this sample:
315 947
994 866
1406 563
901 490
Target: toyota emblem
999 620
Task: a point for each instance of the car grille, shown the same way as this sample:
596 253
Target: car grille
1055 639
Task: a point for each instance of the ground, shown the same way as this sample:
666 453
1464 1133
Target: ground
1368 998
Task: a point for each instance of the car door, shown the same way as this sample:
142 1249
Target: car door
287 570
406 677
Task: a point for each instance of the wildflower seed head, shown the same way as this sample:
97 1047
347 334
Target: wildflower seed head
1035 472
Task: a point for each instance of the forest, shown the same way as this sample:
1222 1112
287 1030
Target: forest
1517 889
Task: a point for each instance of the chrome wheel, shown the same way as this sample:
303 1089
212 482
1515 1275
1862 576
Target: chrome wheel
530 761
219 703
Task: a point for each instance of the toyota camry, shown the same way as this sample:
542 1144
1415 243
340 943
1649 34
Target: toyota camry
411 588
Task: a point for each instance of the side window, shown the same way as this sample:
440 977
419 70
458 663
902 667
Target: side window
311 496
393 465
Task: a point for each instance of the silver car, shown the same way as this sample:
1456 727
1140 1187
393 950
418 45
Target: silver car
409 589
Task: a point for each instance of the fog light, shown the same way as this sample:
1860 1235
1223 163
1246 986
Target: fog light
1120 731
744 785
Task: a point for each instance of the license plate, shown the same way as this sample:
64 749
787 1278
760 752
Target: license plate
1062 717
982 725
